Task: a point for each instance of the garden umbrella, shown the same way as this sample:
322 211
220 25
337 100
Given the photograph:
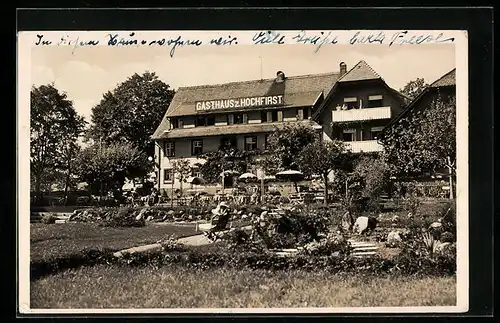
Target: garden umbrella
291 175
229 173
194 180
246 177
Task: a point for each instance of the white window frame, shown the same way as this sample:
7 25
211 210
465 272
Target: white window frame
300 114
375 97
253 142
193 146
166 149
376 129
171 173
195 172
280 115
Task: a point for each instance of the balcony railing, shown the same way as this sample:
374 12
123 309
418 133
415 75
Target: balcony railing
361 114
364 146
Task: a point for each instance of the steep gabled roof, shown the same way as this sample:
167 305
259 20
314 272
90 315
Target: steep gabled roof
360 72
447 80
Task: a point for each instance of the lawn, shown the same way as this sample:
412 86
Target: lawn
50 241
176 287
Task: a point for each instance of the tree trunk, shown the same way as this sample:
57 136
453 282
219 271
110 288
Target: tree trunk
38 184
325 192
450 177
66 184
451 172
172 192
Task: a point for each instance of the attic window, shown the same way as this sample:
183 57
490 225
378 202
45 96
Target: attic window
351 102
375 101
375 97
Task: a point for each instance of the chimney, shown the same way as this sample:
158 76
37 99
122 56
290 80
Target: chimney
343 68
280 77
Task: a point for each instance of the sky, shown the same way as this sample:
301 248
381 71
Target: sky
88 72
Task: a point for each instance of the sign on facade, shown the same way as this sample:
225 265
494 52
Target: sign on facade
239 103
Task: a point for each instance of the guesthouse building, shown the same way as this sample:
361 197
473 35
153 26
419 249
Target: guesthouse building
351 105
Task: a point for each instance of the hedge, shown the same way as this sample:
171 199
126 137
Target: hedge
403 264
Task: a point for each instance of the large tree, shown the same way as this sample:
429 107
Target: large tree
374 174
284 146
106 166
55 126
182 169
223 160
132 112
425 140
413 88
321 158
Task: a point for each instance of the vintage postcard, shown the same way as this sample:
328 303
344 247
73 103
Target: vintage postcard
297 171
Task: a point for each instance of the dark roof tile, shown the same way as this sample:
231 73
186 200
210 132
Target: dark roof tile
360 72
226 130
446 80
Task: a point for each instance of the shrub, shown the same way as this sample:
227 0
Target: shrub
121 217
447 237
412 204
49 219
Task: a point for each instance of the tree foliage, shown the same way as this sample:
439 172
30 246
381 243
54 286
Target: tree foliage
182 169
413 88
374 175
105 167
132 111
54 129
225 159
425 140
284 146
320 158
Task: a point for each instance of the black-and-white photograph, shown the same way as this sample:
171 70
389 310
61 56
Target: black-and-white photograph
243 170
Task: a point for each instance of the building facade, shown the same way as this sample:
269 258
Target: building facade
358 107
349 105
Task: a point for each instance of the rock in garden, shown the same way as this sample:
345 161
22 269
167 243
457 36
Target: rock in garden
171 212
441 247
244 216
240 212
436 225
141 214
364 224
393 239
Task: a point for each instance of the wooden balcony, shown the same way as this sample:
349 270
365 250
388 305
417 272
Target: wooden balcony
361 114
364 146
